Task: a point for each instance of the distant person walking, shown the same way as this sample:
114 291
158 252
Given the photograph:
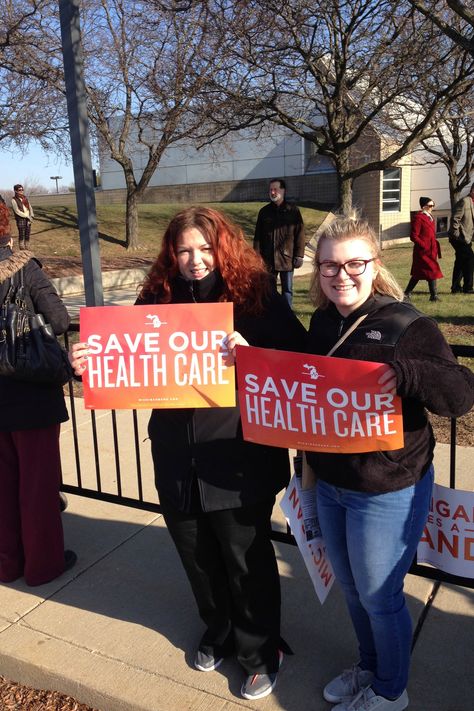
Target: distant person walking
23 215
426 250
461 234
279 236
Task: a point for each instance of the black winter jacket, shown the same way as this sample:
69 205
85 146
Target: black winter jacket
205 446
428 376
279 235
25 406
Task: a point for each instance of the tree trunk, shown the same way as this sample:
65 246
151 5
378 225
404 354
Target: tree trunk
345 190
454 189
131 220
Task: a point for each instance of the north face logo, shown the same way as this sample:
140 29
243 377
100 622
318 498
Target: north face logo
374 335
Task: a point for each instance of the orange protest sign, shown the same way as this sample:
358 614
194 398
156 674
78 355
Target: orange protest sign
164 356
316 403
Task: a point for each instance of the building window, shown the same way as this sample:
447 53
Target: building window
314 162
442 224
391 190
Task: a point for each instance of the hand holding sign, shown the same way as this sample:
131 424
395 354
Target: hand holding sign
232 340
78 357
388 381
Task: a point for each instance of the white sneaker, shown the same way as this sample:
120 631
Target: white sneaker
367 700
345 686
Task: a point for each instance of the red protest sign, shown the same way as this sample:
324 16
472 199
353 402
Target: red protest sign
315 402
164 356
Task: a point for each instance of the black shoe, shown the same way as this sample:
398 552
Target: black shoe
468 291
435 298
70 560
456 291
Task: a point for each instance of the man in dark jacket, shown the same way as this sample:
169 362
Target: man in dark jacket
461 239
279 236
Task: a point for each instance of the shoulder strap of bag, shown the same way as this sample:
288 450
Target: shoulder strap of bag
308 479
347 334
11 295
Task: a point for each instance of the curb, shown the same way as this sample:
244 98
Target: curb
115 279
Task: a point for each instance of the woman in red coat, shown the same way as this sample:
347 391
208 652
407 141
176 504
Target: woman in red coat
426 250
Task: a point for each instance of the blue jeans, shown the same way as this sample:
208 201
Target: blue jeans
286 279
371 540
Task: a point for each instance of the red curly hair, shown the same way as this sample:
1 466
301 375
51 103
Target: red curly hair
4 219
247 282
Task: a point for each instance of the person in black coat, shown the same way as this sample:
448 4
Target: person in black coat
217 491
280 237
31 533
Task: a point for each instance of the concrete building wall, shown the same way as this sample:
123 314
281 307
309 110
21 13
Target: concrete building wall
319 189
431 180
241 158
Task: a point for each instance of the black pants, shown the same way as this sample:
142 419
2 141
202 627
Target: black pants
463 266
431 285
230 562
24 230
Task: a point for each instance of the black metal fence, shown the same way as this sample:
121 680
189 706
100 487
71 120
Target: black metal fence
141 501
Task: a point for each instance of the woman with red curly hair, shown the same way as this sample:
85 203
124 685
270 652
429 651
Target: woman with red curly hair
217 491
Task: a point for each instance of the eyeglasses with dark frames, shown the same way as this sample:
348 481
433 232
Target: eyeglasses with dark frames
354 267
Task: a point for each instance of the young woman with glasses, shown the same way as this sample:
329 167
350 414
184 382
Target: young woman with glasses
372 507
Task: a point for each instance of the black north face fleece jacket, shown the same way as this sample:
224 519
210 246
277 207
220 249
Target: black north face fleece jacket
428 378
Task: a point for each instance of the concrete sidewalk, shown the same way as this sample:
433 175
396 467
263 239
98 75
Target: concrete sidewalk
121 286
119 631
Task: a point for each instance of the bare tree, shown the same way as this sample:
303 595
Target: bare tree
445 13
30 107
453 145
342 76
147 71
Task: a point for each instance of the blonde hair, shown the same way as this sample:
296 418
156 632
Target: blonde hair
353 227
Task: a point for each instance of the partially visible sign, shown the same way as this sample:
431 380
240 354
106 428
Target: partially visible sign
164 356
313 551
316 403
448 538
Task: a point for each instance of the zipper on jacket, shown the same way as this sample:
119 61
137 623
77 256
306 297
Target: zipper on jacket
191 291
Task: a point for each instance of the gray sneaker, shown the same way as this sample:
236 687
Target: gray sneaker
368 700
345 686
207 662
257 686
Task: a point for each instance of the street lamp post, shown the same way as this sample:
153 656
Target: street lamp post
56 178
76 97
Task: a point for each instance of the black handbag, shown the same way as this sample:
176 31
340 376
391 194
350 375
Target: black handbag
29 350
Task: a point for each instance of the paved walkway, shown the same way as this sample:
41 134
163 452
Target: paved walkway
119 631
121 287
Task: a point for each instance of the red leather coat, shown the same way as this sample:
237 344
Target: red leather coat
425 252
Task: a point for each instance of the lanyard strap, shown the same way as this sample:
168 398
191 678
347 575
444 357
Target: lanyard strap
347 334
